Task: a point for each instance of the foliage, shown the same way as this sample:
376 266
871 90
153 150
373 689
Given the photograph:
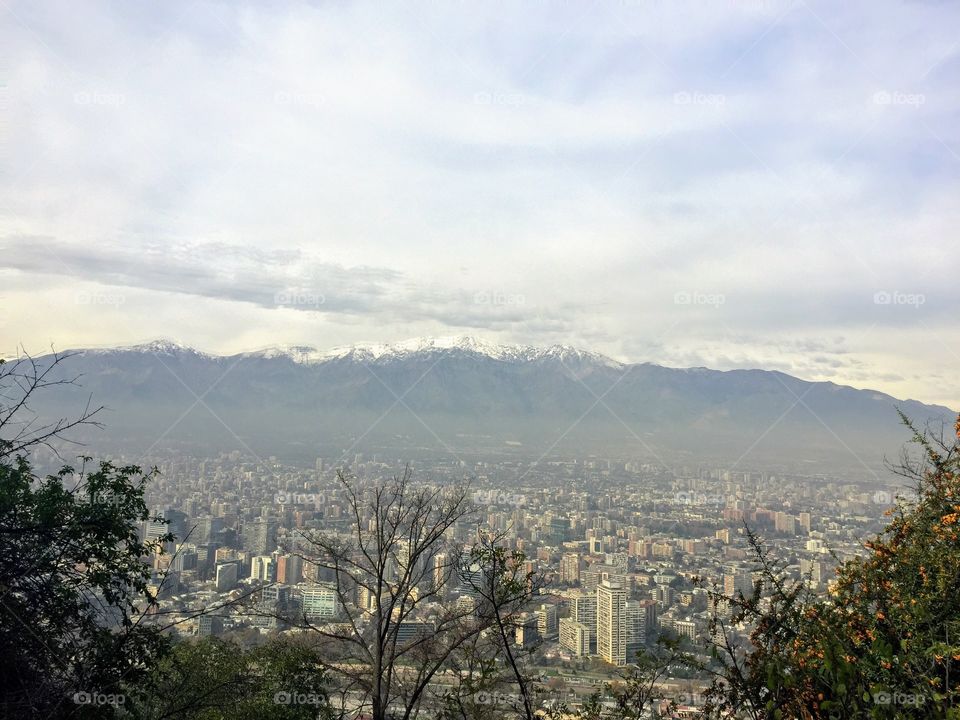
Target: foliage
885 643
73 584
637 694
212 679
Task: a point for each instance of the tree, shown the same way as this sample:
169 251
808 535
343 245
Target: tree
212 679
884 643
77 590
21 380
755 680
74 587
488 670
637 694
393 635
488 673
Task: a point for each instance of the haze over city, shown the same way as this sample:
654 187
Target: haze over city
539 360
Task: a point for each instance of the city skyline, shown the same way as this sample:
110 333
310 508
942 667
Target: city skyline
479 361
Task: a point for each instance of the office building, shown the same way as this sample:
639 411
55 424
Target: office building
611 622
320 601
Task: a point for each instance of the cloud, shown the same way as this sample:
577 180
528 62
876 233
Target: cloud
537 172
272 279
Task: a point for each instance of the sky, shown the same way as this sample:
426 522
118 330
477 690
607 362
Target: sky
721 183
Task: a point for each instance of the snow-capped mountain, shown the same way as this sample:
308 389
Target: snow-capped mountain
389 352
461 394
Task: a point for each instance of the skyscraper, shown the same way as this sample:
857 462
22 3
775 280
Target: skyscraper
260 536
736 581
226 578
205 529
289 569
570 568
441 572
262 568
546 616
611 622
641 620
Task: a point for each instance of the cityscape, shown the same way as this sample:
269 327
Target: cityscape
459 360
628 551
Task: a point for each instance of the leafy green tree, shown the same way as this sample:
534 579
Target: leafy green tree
73 583
212 679
885 643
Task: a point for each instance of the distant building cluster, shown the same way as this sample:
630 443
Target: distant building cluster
628 551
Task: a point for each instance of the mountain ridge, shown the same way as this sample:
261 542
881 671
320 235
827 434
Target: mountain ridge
456 395
309 354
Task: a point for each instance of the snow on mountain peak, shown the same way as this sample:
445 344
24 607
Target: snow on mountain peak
161 346
155 347
497 351
383 352
413 346
303 354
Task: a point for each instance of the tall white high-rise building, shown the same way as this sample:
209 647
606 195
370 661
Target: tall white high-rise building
635 618
611 622
262 567
737 580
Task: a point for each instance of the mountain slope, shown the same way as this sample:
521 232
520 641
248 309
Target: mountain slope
456 395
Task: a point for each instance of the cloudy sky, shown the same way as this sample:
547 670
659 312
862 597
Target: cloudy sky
738 183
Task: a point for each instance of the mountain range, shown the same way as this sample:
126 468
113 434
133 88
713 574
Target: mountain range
457 396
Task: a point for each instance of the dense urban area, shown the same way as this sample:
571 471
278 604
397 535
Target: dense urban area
627 552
